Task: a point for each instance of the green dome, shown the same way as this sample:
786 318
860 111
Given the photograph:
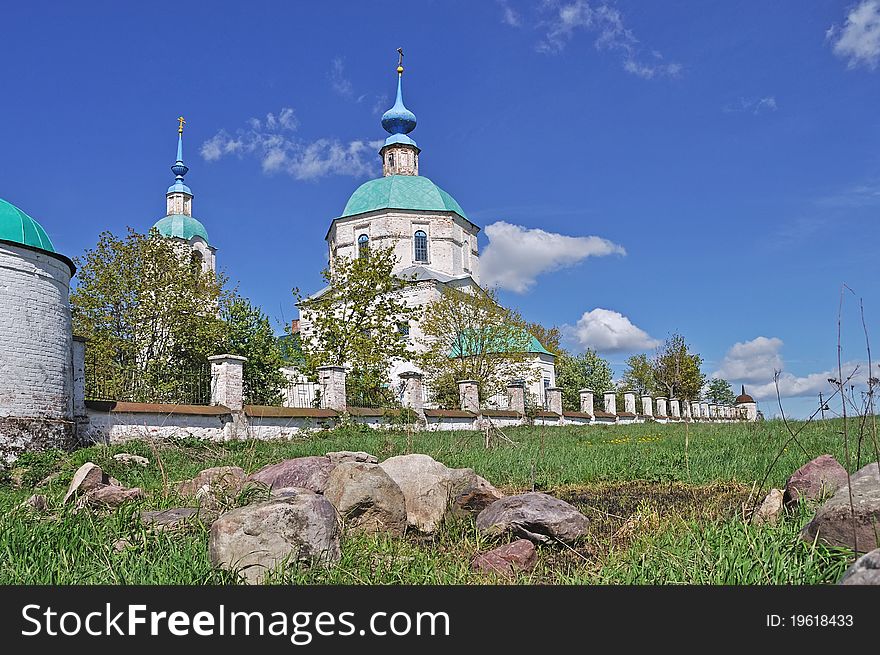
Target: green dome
401 192
182 227
18 227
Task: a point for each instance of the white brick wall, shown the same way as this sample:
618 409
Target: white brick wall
36 376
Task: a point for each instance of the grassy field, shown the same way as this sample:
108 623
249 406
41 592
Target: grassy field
665 504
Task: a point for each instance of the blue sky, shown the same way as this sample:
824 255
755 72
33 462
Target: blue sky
638 168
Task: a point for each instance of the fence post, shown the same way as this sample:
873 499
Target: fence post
227 381
695 410
332 381
413 392
554 400
611 402
469 396
516 397
586 396
704 410
674 408
629 402
661 406
647 405
78 355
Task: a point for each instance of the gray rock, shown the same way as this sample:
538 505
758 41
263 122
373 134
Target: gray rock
426 486
170 519
366 497
471 493
341 456
128 458
507 560
109 496
305 472
864 571
87 477
534 516
36 502
770 508
213 487
836 524
299 528
815 480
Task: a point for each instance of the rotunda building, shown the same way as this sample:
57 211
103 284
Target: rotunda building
36 366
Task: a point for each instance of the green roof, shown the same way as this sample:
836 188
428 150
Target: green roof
533 347
18 227
182 227
401 192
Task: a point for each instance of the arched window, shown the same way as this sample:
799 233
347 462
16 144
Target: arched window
420 246
391 159
465 256
363 245
196 260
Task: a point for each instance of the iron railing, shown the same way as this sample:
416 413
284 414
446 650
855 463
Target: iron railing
146 382
302 395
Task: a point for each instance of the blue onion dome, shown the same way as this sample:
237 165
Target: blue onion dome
179 169
399 119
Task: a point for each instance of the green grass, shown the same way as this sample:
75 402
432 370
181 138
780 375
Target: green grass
660 513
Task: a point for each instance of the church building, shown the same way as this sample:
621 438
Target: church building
433 240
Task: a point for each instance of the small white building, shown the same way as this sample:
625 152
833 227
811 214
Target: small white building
433 239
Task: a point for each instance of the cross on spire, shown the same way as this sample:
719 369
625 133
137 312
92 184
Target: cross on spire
182 121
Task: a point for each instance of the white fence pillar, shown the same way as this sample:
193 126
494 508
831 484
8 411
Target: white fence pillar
332 382
629 402
647 405
413 392
586 396
674 408
554 400
469 396
516 397
611 402
227 381
661 406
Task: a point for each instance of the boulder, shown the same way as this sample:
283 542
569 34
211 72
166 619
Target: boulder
128 458
815 480
471 493
858 528
210 485
770 508
87 477
305 472
507 560
109 496
864 571
352 456
254 540
426 486
170 519
534 516
366 497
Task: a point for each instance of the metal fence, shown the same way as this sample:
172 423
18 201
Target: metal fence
384 397
147 382
302 395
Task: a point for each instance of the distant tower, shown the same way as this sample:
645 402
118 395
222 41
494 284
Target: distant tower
178 222
400 154
745 402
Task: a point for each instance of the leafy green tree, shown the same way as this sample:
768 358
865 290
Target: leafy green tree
148 311
357 320
470 336
677 370
638 376
249 333
585 371
719 391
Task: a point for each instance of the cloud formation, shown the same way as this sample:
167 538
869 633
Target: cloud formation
272 141
753 106
516 255
560 20
858 40
338 81
607 331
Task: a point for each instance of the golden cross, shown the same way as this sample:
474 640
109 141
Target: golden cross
182 122
400 57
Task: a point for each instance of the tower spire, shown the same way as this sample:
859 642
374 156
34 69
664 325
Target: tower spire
400 154
179 195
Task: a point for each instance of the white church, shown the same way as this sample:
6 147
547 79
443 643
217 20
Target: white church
433 239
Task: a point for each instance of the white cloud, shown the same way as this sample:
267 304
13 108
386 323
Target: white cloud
754 364
272 142
340 83
608 331
559 21
516 255
509 15
753 106
858 41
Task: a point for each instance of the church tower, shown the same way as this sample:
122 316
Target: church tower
178 222
400 154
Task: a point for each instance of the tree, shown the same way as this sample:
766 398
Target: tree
719 391
249 333
638 376
677 370
148 311
470 336
358 320
585 371
548 337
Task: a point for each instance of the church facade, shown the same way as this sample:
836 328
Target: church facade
432 238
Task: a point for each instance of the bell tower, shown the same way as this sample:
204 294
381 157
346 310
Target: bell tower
400 154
